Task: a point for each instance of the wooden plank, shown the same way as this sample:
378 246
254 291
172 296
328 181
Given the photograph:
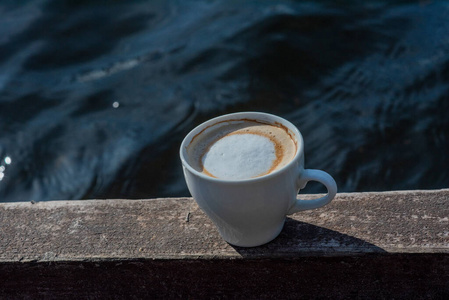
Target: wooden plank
391 245
175 228
377 276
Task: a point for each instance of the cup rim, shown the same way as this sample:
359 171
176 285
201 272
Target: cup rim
261 116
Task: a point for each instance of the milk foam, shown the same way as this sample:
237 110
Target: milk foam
241 149
240 156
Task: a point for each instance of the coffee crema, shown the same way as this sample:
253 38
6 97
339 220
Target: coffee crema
241 149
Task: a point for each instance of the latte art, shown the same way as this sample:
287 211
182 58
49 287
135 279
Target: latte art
239 156
241 149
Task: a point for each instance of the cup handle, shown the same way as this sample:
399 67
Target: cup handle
319 176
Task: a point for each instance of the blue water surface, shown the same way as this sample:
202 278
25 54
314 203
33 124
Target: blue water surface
96 96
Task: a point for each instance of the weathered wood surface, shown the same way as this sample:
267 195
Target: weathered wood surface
392 245
175 228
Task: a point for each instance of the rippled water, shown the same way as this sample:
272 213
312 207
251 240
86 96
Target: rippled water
96 96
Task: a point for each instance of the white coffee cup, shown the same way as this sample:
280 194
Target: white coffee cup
252 212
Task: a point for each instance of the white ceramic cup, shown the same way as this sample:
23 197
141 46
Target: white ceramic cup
252 212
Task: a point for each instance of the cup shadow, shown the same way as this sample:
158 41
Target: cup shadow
303 239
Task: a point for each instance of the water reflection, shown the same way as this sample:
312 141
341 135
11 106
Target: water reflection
96 96
6 161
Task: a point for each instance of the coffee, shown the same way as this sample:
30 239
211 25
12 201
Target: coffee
241 149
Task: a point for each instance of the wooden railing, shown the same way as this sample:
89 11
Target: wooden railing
362 245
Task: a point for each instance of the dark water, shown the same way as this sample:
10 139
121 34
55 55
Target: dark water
96 96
